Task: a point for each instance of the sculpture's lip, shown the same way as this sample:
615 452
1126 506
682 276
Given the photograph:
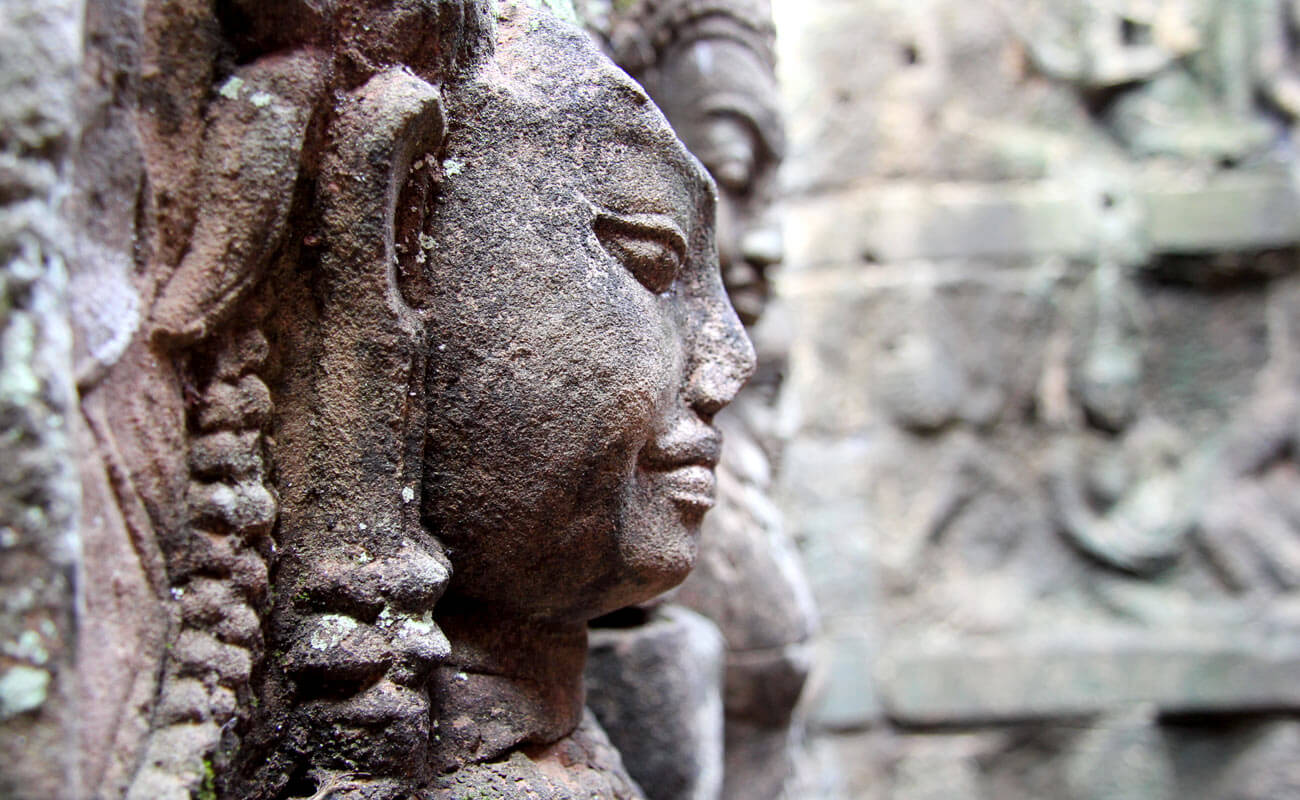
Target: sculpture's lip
671 453
692 486
683 466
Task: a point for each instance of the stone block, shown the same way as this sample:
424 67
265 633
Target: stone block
1080 672
1230 212
1267 766
1123 756
936 777
822 482
656 689
845 696
914 221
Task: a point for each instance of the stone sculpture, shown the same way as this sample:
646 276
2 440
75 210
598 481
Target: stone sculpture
568 462
399 337
710 67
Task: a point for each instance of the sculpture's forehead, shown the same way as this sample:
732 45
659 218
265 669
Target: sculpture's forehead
723 76
569 102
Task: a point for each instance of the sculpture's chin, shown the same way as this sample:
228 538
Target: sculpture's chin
659 538
652 581
620 555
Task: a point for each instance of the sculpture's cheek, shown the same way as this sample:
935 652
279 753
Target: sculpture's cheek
538 415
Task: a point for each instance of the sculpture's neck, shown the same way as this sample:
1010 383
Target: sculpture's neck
507 683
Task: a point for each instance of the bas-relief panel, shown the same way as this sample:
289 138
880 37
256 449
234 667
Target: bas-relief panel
1078 457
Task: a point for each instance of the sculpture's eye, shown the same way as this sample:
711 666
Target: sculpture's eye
730 152
735 174
652 250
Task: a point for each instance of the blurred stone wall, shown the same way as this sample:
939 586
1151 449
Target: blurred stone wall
40 43
1043 287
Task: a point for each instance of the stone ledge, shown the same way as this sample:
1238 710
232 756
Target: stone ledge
902 222
1004 680
1230 213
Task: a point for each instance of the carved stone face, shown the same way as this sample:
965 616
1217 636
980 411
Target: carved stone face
721 98
581 338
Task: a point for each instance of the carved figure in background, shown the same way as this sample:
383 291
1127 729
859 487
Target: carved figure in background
1187 73
1214 82
1250 515
710 67
1231 500
1135 494
1126 503
1118 486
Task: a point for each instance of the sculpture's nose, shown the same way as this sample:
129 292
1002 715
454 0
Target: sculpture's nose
722 358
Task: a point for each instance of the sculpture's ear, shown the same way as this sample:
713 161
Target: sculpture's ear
370 380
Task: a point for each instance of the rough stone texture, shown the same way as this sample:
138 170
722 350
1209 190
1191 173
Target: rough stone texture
40 47
582 766
397 334
1043 262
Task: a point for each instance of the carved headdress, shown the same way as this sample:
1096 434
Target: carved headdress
261 429
642 32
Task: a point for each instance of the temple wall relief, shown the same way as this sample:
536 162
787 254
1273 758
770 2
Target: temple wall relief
1042 258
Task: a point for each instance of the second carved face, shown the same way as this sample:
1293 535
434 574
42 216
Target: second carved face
581 340
720 96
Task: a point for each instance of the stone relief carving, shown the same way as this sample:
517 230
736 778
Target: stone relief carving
1247 526
610 517
1186 74
1101 435
400 337
1208 83
710 67
1201 82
